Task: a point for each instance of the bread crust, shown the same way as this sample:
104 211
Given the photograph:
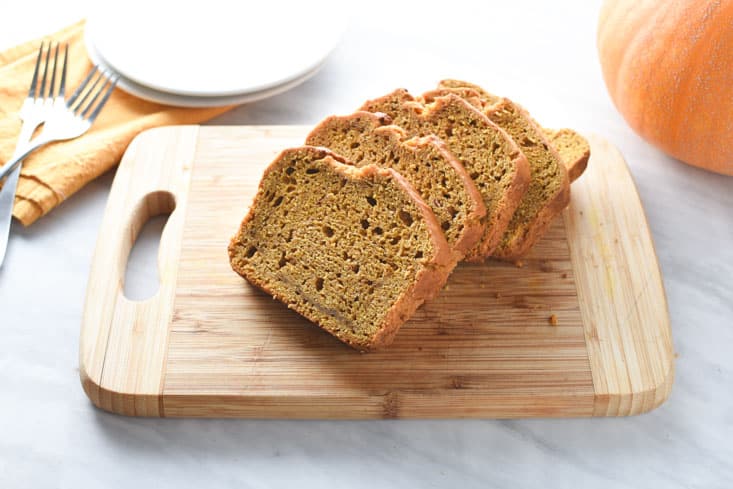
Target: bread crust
510 199
428 282
381 123
474 227
518 180
575 166
478 97
519 244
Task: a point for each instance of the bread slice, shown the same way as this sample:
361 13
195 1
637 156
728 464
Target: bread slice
494 162
549 188
366 138
355 250
573 148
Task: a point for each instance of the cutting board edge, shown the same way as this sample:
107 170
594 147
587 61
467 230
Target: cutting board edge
140 191
599 243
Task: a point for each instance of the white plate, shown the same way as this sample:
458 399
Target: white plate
205 49
166 98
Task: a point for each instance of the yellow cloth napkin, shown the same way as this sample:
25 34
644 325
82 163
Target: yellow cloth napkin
52 174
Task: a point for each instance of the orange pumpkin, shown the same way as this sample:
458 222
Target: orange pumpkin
668 66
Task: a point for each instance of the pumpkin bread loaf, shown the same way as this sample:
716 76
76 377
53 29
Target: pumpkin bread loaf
355 250
366 138
491 158
573 148
549 188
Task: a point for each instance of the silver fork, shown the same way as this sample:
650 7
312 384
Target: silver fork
72 118
67 119
35 109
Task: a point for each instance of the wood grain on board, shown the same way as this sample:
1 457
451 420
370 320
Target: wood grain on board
208 344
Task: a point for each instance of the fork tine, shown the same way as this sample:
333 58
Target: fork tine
42 88
110 87
92 88
96 94
34 81
62 85
83 85
52 88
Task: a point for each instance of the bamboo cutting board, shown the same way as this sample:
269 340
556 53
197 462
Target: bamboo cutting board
209 344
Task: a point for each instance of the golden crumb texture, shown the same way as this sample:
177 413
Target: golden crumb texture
355 250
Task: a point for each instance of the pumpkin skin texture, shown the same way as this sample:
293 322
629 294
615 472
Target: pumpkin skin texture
668 66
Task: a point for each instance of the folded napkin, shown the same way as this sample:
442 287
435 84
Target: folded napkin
52 174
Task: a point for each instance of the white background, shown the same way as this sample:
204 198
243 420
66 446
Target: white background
540 53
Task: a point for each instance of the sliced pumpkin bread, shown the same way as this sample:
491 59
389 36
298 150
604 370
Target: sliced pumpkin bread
355 250
366 138
491 158
549 187
573 148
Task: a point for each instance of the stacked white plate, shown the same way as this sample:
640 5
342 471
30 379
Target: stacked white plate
204 54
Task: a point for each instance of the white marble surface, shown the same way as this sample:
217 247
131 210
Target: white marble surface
50 435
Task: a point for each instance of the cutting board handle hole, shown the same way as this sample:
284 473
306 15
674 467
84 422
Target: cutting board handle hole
148 221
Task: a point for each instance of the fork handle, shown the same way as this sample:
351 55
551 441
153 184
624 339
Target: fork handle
7 200
7 192
30 124
20 154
